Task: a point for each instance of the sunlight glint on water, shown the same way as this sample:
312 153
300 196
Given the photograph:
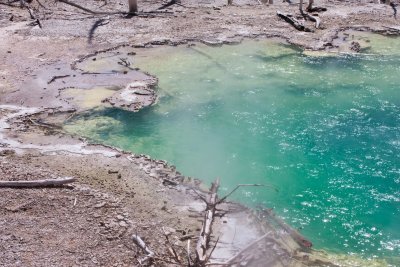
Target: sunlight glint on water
324 130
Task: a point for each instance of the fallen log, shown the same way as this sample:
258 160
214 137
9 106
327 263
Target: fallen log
292 21
37 183
140 243
206 230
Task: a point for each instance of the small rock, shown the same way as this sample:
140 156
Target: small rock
355 46
123 224
99 205
169 230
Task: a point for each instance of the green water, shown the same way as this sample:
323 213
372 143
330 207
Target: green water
324 130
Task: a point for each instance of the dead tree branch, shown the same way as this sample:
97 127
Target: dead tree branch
170 3
294 22
88 10
140 243
205 233
37 183
98 23
57 77
202 255
32 16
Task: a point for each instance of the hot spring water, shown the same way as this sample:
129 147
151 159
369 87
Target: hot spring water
324 130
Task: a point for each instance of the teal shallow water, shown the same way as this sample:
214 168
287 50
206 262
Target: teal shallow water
324 130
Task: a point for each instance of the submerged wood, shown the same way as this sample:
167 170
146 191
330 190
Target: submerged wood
234 259
37 183
299 238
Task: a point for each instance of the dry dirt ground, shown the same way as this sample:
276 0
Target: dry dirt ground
90 223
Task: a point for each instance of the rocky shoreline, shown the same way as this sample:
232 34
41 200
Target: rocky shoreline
119 194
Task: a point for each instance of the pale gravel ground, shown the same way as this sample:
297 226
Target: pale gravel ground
42 227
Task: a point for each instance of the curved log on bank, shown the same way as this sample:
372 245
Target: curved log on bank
314 19
37 183
293 21
308 16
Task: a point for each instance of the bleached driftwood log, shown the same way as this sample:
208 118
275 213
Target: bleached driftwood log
205 233
37 183
140 243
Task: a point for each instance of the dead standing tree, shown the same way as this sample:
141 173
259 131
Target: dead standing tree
133 6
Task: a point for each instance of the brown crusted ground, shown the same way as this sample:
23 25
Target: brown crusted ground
91 222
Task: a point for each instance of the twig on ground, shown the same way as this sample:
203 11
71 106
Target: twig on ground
57 77
171 246
206 230
188 254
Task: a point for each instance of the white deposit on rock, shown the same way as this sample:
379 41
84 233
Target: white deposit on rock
134 96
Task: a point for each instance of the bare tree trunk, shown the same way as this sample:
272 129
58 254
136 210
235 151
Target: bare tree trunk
133 7
310 4
301 6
